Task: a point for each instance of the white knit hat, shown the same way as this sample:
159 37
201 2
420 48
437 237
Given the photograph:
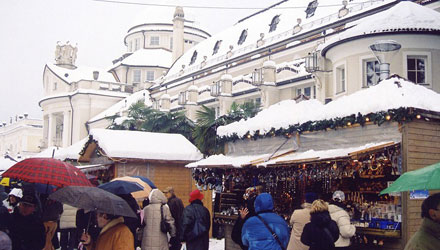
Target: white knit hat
16 192
338 195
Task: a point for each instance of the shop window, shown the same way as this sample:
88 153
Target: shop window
274 23
416 69
371 72
217 47
136 76
193 58
340 79
154 40
310 11
243 36
150 75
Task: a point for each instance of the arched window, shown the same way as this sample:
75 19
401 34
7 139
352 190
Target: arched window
242 37
274 23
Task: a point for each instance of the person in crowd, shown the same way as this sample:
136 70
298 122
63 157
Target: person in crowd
153 237
428 235
246 212
132 223
342 218
298 220
26 230
52 211
87 223
176 207
114 235
321 232
5 241
196 222
14 197
69 238
265 230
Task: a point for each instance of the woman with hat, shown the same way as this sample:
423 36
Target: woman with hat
342 218
14 197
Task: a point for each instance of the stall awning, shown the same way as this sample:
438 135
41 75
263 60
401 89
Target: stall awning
90 168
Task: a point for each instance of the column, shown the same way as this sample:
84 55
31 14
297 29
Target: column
66 129
51 131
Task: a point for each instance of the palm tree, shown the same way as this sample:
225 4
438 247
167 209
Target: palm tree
205 131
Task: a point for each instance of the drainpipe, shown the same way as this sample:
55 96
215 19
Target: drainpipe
71 120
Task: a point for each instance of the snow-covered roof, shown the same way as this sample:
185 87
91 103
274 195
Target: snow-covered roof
288 12
148 57
145 145
124 105
263 160
392 93
71 152
86 92
80 73
404 16
6 163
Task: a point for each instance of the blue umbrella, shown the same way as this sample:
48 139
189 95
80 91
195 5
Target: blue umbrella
121 187
146 180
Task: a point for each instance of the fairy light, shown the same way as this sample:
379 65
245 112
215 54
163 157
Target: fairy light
348 123
249 136
418 116
367 119
388 117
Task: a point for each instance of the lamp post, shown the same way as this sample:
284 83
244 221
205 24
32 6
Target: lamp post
384 50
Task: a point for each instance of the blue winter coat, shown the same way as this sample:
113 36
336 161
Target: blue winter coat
256 235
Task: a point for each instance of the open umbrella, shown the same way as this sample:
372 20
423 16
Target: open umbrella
427 178
93 199
138 194
121 187
47 171
146 180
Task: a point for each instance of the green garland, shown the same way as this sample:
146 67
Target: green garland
399 115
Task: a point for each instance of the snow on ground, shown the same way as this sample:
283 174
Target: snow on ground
215 244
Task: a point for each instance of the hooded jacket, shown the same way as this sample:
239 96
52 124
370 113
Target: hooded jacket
153 237
255 235
346 229
427 238
321 232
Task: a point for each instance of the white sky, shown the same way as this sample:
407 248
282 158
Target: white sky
30 30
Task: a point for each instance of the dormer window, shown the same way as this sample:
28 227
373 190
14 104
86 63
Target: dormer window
242 37
194 57
310 11
217 47
274 23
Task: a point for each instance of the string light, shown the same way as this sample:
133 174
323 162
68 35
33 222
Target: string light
388 117
418 116
367 119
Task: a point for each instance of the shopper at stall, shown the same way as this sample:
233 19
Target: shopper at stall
196 223
14 197
26 230
245 213
342 218
52 211
299 219
321 232
69 238
176 207
266 230
428 236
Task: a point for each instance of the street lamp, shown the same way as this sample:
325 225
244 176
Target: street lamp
384 50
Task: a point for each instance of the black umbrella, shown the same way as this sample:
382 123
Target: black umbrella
121 187
93 199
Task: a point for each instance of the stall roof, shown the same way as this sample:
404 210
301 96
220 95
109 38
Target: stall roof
71 152
6 163
392 93
264 160
94 167
145 145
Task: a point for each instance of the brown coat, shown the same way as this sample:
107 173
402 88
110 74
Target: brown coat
152 237
114 236
299 219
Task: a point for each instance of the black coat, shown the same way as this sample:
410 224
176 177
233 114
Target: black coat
238 226
176 208
26 232
321 232
190 213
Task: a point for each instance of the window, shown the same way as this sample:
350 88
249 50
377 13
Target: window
371 73
298 92
193 58
130 46
416 69
217 47
242 37
136 44
54 86
150 75
274 23
307 91
310 11
154 40
136 76
340 79
171 43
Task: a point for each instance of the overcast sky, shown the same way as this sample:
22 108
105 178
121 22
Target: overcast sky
30 30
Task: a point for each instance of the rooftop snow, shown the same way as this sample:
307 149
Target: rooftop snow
404 16
145 145
71 152
89 92
148 57
388 94
6 163
124 105
289 12
80 73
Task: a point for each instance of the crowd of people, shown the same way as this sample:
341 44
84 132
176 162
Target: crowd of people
30 220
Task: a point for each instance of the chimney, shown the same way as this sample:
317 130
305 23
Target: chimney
178 26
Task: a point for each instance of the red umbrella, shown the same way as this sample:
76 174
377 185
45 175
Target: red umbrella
47 171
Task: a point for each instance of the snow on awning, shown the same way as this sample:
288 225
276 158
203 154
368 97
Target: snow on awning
90 168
